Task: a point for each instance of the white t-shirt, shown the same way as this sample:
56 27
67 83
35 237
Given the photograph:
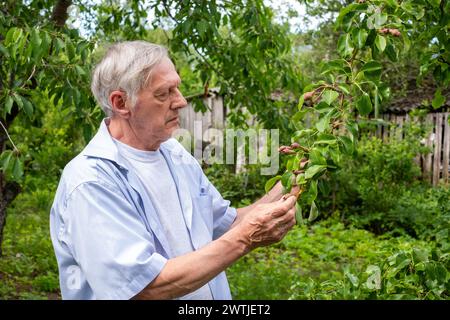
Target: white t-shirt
151 167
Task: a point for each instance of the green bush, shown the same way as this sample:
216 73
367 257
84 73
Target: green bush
330 261
241 189
379 189
28 266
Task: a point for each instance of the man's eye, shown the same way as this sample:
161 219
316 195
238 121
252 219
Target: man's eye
163 95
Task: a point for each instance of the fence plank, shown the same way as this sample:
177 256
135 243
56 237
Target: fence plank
218 117
386 128
206 117
437 149
446 148
427 169
399 120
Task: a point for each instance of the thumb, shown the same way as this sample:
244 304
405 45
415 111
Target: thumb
289 200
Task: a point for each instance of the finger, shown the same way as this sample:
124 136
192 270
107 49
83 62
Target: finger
290 202
282 206
290 214
294 191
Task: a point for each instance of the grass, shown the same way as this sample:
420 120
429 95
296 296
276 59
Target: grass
308 259
320 261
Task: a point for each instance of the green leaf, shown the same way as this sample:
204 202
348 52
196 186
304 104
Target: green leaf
352 127
312 193
323 107
35 42
303 133
314 212
327 142
380 42
17 171
271 182
361 38
392 53
364 105
27 107
300 102
353 278
290 164
300 179
4 51
70 50
379 19
372 70
286 179
324 187
9 36
8 105
345 45
298 116
323 123
59 45
314 170
316 158
345 88
438 99
371 66
347 143
80 70
298 214
329 96
338 65
347 12
5 159
18 100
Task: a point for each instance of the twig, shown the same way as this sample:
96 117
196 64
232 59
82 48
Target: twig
7 134
31 76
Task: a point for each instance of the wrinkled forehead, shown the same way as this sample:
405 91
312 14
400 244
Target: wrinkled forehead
164 74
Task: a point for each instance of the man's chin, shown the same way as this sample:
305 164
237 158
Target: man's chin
172 129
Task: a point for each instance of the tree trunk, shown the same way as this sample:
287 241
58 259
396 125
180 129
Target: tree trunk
8 192
60 15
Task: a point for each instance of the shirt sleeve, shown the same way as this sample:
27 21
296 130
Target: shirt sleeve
110 242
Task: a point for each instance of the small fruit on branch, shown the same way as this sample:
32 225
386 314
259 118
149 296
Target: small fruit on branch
308 95
395 32
303 163
286 150
296 145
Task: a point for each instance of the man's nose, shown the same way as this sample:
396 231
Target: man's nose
180 102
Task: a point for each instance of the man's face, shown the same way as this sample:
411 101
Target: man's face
155 116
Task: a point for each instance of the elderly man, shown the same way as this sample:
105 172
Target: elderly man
134 216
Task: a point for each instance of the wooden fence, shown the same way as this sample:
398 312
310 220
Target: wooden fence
435 165
214 117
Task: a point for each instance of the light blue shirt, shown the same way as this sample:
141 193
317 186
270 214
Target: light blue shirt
151 166
108 240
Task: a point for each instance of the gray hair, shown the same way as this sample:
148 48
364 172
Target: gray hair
126 66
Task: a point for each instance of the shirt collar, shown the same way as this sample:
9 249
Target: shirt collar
103 146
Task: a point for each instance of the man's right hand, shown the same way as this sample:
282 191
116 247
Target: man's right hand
267 223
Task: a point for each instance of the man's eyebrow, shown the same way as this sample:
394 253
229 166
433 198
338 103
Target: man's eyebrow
167 86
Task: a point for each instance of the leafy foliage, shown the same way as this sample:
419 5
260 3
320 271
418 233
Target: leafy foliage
353 86
329 261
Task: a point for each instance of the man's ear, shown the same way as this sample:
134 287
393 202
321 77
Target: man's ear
118 101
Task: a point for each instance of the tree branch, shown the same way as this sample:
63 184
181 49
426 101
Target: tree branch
60 15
